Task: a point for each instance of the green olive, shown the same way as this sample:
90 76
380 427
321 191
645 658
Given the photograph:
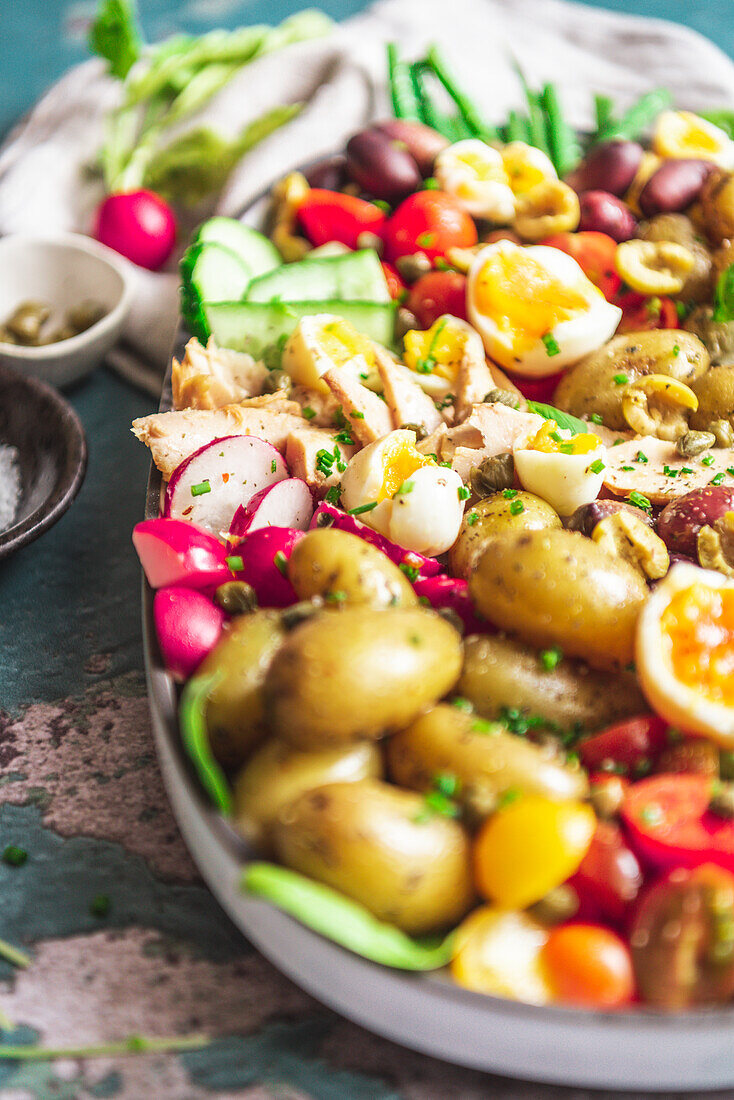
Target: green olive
597 383
277 773
485 759
502 674
497 516
342 568
380 846
680 230
560 588
359 674
235 714
715 393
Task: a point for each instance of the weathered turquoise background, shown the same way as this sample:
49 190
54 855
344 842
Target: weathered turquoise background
79 786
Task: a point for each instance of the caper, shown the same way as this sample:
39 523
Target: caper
412 267
297 613
404 322
84 315
278 381
723 433
371 240
493 474
502 397
695 443
236 597
26 321
559 905
722 800
419 429
607 797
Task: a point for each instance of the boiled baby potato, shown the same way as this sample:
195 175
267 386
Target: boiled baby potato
235 713
380 846
344 569
590 387
559 588
501 673
715 393
359 674
496 518
277 773
486 761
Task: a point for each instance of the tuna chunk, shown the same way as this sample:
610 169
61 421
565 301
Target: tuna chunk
302 456
368 415
407 402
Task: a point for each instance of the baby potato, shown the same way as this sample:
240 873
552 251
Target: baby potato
559 588
343 568
235 713
378 845
486 760
590 386
501 673
496 519
680 230
715 393
277 773
359 674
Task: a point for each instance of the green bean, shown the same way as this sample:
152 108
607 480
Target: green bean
426 108
402 93
638 118
344 921
603 109
536 114
195 736
467 109
518 127
564 145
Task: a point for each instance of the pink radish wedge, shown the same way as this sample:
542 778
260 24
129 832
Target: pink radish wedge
286 504
265 556
327 515
172 551
188 625
208 487
452 592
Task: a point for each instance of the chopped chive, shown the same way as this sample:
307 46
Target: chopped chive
200 489
333 495
640 501
463 493
508 494
620 379
641 457
566 448
362 509
344 437
234 562
550 658
597 466
281 562
273 466
472 518
308 412
686 470
730 471
708 460
596 418
407 487
627 468
337 596
356 415
446 783
431 184
461 703
676 351
669 471
717 479
411 572
551 344
100 905
516 507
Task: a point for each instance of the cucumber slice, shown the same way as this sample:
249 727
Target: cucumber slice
354 277
209 272
262 328
259 253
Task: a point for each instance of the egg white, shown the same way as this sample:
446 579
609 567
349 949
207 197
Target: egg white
305 357
564 481
672 129
490 198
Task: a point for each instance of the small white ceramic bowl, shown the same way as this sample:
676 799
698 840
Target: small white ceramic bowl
62 272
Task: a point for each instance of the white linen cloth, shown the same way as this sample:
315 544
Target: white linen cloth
341 79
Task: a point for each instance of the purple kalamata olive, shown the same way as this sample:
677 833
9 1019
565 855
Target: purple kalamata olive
682 519
330 173
382 166
674 186
423 143
585 518
610 167
602 212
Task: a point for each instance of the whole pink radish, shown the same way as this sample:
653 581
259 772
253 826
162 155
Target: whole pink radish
452 592
265 555
174 552
188 625
138 225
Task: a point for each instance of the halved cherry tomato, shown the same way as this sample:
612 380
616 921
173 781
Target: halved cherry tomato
625 746
395 285
536 389
609 877
640 312
436 293
331 216
594 253
431 222
669 823
589 966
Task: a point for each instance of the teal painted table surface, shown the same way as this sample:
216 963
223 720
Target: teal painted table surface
79 784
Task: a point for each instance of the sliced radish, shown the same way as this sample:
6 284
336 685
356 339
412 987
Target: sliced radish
208 487
172 551
265 556
286 504
327 515
453 592
188 625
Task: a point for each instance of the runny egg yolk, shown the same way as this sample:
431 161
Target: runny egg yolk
699 625
340 342
399 461
438 350
549 439
524 299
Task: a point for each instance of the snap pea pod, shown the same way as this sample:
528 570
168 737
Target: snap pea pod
344 921
467 109
564 146
195 736
638 118
402 92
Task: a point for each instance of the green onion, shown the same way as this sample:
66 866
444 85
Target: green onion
411 571
463 493
447 783
669 471
687 470
235 563
337 596
362 509
355 415
461 703
708 460
407 487
508 494
280 562
551 344
597 466
550 658
717 479
472 518
344 437
640 501
676 350
620 379
564 145
200 489
333 495
516 507
641 457
308 412
627 469
596 418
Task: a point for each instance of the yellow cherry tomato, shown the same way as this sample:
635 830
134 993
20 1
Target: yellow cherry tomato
530 847
498 951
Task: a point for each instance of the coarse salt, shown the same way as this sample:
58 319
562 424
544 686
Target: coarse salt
9 485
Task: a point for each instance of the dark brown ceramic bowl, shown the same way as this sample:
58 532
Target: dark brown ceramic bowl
52 454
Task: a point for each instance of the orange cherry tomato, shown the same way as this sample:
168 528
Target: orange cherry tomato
594 253
589 966
438 293
431 222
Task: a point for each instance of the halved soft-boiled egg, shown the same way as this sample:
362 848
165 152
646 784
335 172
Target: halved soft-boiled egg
322 341
404 495
526 166
435 354
685 651
566 470
474 173
535 309
685 134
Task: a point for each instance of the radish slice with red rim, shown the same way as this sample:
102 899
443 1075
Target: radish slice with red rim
286 504
172 551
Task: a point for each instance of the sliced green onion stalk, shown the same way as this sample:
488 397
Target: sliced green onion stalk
134 1044
344 921
562 419
195 736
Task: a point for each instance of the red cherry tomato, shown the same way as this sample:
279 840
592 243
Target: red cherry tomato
609 877
395 284
436 293
536 389
594 253
640 312
331 216
588 965
628 744
430 222
669 823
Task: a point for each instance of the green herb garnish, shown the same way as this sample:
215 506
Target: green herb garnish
362 508
235 563
550 658
516 507
640 501
200 489
551 344
280 562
